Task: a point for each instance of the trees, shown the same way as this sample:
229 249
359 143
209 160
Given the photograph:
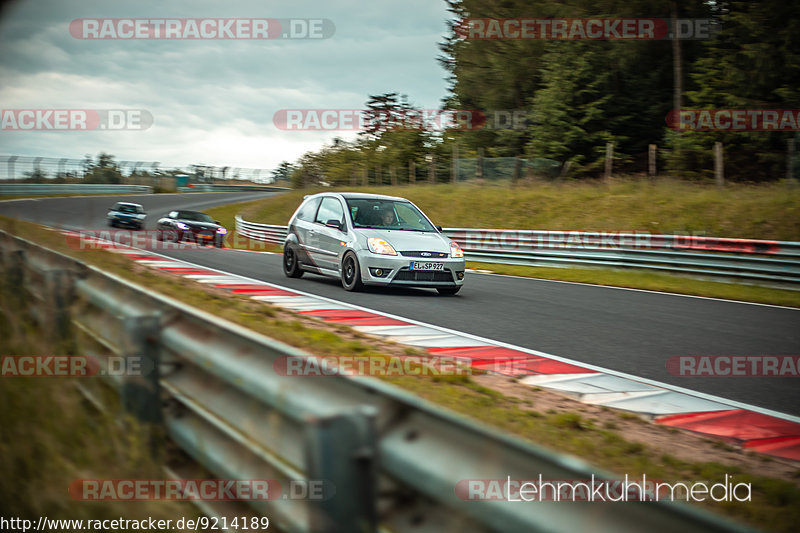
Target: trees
105 170
577 95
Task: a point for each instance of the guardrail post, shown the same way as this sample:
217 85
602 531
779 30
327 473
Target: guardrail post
60 294
341 451
140 390
14 266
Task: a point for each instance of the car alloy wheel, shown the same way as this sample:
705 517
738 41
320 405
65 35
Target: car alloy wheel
351 275
290 266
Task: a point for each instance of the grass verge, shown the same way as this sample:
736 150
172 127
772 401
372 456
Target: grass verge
770 211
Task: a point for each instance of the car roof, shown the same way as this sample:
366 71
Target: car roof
364 195
128 203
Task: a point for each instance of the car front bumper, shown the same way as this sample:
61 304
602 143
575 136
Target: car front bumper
395 270
128 221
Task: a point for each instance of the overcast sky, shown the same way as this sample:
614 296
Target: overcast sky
212 101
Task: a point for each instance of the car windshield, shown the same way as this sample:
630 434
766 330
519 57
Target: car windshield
194 216
129 209
387 214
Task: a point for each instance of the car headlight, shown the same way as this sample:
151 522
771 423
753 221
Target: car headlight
380 246
181 225
456 251
222 231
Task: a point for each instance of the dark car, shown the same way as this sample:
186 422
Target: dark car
191 226
126 214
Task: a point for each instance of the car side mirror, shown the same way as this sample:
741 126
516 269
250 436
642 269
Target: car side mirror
439 229
216 222
333 223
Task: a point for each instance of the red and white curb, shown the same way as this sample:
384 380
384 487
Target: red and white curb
753 428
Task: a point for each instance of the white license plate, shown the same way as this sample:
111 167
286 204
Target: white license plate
422 265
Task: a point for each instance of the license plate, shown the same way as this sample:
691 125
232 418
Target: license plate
205 236
422 265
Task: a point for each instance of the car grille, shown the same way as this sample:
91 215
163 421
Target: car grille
419 254
424 275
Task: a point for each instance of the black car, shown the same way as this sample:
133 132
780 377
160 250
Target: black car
124 214
191 226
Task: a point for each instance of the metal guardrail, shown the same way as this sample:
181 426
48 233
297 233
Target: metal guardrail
209 187
38 189
393 459
260 232
739 258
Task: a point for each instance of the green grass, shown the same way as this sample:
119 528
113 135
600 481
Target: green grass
667 206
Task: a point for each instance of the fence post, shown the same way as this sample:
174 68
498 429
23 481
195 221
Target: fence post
517 169
365 180
432 169
393 175
719 165
651 161
790 149
479 166
454 170
341 453
609 159
412 172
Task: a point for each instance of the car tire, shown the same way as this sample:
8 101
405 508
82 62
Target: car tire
291 267
351 273
448 291
112 223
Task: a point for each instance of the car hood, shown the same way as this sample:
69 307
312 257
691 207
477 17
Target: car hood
200 225
404 241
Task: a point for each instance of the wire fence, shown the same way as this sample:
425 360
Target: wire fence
28 169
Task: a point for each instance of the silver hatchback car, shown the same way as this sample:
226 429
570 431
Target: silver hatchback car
370 239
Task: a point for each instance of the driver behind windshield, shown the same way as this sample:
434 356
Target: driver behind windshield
387 217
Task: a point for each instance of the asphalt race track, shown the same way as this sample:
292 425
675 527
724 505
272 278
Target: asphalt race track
629 331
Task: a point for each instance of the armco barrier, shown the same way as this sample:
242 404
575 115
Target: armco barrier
393 459
208 187
39 189
739 258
